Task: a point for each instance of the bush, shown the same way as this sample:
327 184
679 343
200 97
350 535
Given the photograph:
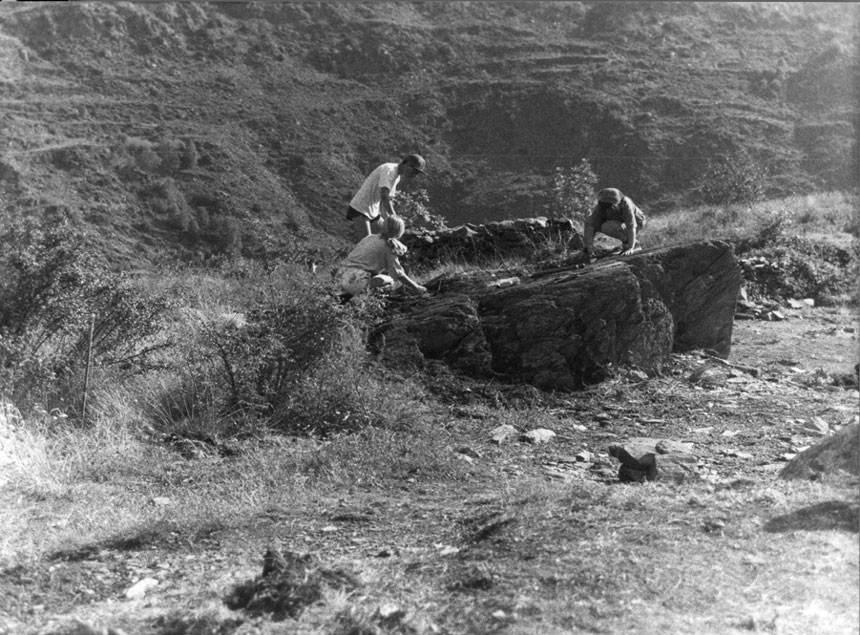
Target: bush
295 357
798 268
732 179
53 288
572 191
415 209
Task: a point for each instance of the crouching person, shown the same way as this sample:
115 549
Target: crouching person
375 262
617 216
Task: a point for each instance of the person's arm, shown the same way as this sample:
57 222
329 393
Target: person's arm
630 222
411 284
590 223
386 206
396 270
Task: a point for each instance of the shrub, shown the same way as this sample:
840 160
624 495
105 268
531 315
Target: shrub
295 357
731 179
799 268
141 154
166 199
572 190
415 209
53 288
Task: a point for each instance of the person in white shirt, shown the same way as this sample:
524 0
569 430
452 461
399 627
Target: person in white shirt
372 203
374 262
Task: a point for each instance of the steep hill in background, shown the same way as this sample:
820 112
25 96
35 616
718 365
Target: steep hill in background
218 127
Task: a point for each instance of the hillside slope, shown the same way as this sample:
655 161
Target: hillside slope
245 127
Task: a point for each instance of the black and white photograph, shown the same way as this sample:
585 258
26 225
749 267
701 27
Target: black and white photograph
429 317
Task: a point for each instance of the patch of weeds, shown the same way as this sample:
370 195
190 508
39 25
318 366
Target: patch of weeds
372 455
59 306
180 624
472 577
289 583
735 178
800 268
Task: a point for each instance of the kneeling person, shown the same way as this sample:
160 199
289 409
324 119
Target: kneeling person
375 262
617 216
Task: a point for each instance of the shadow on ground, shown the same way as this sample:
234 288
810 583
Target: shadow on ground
827 516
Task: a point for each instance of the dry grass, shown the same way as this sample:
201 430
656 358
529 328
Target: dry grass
831 217
446 532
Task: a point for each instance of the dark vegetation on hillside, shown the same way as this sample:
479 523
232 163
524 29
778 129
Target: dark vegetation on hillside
243 128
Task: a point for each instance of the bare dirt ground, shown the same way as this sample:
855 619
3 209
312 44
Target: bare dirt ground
525 538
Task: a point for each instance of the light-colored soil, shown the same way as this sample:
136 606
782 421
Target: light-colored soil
521 538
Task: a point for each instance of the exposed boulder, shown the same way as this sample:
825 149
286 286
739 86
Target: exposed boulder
840 452
564 329
475 243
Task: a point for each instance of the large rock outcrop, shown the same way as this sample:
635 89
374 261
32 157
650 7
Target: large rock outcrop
560 330
503 239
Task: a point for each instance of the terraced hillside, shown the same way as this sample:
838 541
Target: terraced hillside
244 127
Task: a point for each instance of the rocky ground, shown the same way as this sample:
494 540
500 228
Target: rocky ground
530 534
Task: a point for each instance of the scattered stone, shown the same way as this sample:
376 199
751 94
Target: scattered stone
140 588
537 436
668 446
636 453
676 468
504 282
503 433
737 453
837 453
817 426
644 458
390 614
584 457
714 525
470 452
637 375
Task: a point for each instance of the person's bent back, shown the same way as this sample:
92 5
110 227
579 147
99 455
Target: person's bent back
375 262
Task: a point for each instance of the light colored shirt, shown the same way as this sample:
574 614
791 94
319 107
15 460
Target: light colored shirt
374 254
367 199
626 211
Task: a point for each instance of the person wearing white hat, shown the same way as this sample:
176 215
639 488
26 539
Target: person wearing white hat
372 203
616 216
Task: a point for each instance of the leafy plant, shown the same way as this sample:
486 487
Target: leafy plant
572 190
731 179
285 353
58 303
415 209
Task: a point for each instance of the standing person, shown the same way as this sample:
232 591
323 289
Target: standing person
374 262
372 203
614 215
